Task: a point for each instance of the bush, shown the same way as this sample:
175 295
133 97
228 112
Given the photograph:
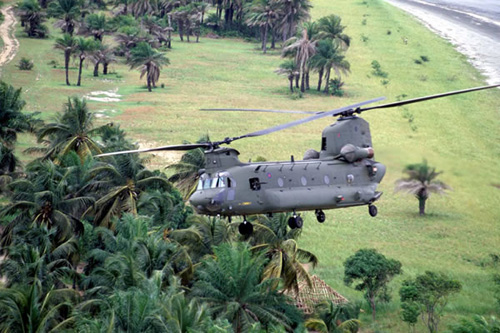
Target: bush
336 86
25 64
377 69
53 63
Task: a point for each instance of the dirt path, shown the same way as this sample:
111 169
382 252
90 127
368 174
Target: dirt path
7 33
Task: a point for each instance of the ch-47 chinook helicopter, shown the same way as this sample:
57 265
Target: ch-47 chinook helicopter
343 174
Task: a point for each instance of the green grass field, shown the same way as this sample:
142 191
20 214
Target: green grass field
458 135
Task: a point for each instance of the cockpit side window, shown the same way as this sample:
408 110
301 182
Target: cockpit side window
254 184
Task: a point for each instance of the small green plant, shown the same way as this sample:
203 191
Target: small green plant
424 58
336 86
162 85
25 64
496 282
377 69
418 61
423 78
409 116
385 82
53 63
363 22
364 38
389 32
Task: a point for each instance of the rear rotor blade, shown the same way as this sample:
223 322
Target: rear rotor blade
164 148
426 98
266 110
340 111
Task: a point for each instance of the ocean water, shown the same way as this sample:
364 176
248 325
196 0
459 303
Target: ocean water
473 26
487 8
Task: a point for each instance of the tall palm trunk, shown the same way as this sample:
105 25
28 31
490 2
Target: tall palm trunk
320 78
307 79
67 55
290 78
264 39
96 68
148 76
327 80
105 68
82 59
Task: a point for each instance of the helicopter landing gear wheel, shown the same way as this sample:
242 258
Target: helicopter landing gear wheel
245 228
295 222
372 210
320 216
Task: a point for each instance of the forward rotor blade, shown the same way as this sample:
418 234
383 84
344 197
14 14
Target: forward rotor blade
266 110
164 148
426 98
306 120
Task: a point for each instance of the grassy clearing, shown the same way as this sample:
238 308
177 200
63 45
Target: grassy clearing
458 135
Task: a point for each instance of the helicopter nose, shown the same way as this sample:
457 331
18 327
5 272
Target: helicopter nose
216 202
203 202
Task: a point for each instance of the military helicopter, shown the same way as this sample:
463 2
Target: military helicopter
342 174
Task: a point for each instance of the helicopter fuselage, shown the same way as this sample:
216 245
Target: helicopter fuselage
271 187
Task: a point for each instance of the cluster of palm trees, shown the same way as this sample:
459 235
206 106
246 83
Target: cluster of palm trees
321 48
147 26
105 244
277 18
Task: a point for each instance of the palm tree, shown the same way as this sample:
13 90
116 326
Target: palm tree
264 14
68 44
12 119
32 18
25 308
303 49
232 286
213 231
83 48
421 182
35 256
102 54
186 171
288 69
335 318
330 28
67 11
44 198
328 56
149 61
96 25
142 7
72 131
123 181
280 245
294 12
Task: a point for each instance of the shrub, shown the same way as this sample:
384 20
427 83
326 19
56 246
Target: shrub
336 86
25 64
377 69
53 63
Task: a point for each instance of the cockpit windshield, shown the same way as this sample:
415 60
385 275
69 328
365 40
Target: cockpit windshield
221 180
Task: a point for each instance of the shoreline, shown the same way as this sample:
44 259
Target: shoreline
472 35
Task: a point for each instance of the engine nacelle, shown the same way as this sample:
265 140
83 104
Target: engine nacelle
352 153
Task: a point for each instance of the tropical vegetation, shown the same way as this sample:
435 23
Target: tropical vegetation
134 266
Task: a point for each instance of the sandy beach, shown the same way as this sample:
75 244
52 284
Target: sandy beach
474 30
